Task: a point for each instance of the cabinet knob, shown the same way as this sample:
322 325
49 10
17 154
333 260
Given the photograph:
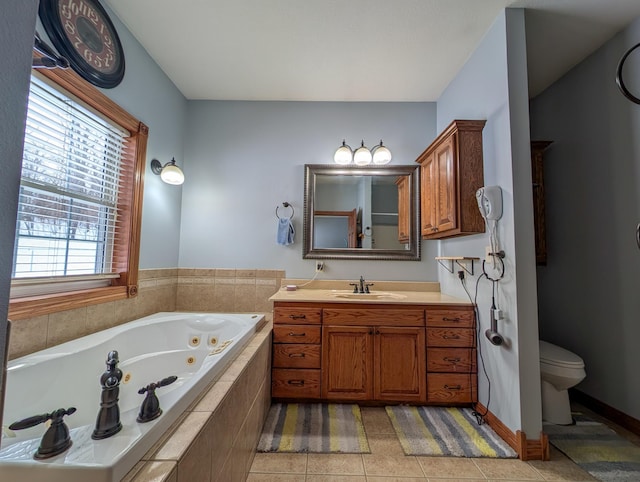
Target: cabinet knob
297 317
455 320
451 337
291 333
297 383
296 355
451 359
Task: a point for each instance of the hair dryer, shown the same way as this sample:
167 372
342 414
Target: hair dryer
492 333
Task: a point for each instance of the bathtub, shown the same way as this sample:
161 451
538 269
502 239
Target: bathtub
195 347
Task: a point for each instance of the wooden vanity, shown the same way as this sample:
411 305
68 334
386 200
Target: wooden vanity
419 353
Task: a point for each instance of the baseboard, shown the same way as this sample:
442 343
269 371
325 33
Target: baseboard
527 449
607 411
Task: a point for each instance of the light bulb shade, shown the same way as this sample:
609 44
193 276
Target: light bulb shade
172 174
343 154
381 155
362 156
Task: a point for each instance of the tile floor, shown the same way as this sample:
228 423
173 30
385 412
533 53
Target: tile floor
387 463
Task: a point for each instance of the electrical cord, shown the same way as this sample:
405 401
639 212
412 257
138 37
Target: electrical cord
480 417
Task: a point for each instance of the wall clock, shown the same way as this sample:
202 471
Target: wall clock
82 31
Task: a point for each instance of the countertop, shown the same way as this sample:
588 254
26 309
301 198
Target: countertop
339 291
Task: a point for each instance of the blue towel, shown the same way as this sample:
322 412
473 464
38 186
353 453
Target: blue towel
286 232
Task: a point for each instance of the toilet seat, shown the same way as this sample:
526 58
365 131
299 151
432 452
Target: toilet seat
556 356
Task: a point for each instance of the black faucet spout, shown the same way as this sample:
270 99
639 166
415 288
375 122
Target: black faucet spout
108 419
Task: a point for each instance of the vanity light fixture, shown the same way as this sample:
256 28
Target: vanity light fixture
169 173
362 156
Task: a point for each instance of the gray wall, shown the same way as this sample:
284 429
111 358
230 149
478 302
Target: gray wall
245 158
588 291
492 85
17 24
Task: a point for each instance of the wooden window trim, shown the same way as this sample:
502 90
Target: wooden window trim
127 247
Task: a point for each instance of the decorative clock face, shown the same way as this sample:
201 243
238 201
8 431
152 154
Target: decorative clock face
82 31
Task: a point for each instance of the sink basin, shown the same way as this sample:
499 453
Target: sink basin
379 295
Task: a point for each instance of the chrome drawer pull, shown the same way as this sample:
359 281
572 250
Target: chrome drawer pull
297 334
451 319
297 317
296 355
451 337
452 360
297 383
453 387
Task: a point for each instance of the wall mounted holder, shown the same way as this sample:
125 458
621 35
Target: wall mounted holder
462 261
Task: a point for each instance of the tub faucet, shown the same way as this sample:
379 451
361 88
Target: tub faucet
150 408
56 439
108 419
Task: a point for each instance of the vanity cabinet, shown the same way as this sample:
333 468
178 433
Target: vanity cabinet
374 353
451 356
451 171
404 209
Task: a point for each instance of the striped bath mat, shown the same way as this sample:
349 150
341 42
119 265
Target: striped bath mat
314 427
445 431
597 449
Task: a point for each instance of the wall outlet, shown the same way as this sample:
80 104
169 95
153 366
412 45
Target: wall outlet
487 254
319 266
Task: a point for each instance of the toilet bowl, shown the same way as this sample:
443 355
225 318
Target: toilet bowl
560 370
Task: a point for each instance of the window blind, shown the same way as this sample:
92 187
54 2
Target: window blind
68 208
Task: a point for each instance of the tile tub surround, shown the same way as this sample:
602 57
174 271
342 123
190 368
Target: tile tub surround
215 438
172 289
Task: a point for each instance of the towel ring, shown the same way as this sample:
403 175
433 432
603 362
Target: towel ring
286 205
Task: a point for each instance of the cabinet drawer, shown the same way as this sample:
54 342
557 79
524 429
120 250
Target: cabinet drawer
373 316
297 355
451 360
297 334
451 388
459 337
298 315
450 318
303 383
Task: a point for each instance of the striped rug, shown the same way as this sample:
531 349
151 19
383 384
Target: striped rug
597 449
315 428
445 431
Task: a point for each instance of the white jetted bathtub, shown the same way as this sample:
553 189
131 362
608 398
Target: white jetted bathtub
195 347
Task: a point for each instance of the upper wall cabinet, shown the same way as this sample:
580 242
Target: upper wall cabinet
451 172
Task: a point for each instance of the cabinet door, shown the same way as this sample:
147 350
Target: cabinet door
400 364
347 357
445 209
404 209
428 190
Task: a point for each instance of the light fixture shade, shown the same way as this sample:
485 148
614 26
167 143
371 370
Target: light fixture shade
343 154
381 155
172 174
362 156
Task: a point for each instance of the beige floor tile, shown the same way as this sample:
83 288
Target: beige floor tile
335 464
376 420
449 467
507 469
336 478
280 463
560 470
385 444
253 477
398 479
391 465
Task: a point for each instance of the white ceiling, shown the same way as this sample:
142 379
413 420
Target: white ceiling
353 50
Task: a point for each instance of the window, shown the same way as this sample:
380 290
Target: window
77 230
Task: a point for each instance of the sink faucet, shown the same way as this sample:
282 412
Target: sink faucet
361 286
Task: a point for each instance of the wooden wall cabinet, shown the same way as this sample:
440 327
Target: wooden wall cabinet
451 170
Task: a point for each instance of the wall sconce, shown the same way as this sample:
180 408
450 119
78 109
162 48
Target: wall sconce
169 173
362 156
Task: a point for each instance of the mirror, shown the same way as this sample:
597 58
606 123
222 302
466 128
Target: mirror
361 212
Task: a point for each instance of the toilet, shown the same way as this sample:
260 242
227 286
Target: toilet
560 370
